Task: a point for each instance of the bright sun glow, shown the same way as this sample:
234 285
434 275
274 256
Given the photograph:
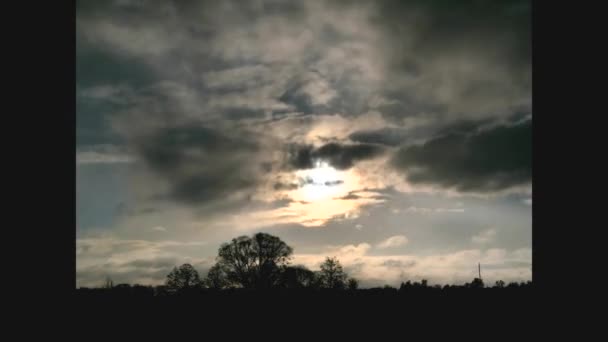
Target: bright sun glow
321 182
318 197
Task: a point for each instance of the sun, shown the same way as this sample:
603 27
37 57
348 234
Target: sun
321 182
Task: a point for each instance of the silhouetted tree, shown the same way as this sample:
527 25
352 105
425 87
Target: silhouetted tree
353 284
405 286
254 262
262 261
142 290
216 278
317 281
297 277
161 290
476 284
183 278
332 274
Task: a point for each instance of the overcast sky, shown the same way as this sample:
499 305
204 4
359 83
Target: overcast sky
393 135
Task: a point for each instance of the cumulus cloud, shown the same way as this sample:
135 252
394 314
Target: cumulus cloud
393 241
448 268
132 261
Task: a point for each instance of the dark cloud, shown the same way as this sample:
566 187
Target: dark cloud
300 100
92 126
350 196
465 23
300 157
242 113
332 183
303 181
202 164
449 60
488 160
285 186
460 127
400 136
468 126
386 136
311 92
344 156
340 156
123 209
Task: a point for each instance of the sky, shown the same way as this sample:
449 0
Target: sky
393 135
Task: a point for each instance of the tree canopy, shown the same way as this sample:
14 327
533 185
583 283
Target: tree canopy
253 261
183 278
332 275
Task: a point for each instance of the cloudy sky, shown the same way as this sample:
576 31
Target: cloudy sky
393 135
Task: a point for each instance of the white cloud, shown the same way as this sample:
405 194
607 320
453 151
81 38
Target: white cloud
133 261
449 268
103 154
393 241
159 229
92 157
418 210
484 237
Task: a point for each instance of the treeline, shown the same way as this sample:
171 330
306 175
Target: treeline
404 288
260 262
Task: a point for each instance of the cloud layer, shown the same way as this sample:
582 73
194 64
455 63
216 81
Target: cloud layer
488 160
210 118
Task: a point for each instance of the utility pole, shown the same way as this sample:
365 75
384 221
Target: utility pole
479 268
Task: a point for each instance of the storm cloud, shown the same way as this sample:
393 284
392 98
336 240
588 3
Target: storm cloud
385 136
489 160
202 163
